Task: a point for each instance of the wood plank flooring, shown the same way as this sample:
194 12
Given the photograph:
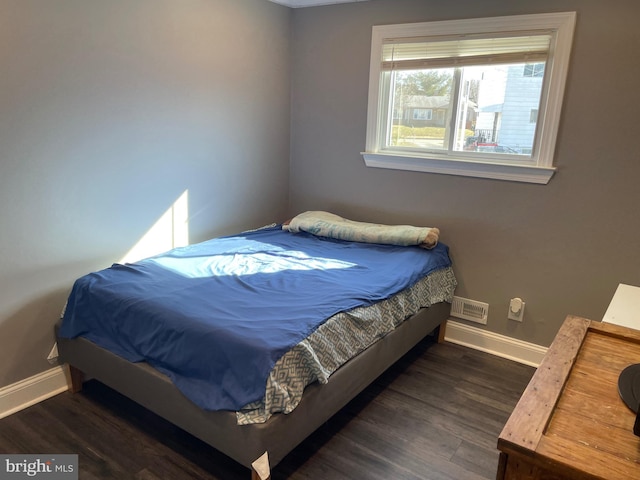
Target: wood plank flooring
435 415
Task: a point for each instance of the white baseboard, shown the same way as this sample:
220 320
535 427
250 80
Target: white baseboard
32 390
499 345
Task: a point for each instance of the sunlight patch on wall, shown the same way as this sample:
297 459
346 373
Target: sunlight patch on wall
170 231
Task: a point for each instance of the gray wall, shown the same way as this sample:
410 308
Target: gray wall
109 111
563 247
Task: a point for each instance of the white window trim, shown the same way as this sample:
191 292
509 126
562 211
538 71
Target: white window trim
562 24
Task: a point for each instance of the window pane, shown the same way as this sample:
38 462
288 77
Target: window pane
495 109
421 108
533 70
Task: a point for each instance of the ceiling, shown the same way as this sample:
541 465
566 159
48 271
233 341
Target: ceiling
311 3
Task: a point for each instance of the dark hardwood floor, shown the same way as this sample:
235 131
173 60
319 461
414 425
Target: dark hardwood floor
434 415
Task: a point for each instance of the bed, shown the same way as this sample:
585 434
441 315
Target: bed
247 382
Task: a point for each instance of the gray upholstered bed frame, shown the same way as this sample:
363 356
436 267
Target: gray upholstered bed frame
281 433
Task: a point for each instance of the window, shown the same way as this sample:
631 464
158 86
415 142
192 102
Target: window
533 116
458 97
422 114
533 70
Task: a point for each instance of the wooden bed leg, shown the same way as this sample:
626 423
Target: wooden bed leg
77 377
441 331
260 468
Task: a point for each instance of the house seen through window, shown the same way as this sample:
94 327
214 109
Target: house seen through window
466 92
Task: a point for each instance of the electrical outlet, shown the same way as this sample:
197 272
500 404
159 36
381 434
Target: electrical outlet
516 310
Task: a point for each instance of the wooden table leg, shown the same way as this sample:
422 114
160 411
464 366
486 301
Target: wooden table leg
441 331
77 377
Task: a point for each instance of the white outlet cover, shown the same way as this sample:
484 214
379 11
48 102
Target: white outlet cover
516 313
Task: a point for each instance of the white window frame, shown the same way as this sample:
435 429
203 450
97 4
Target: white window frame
540 168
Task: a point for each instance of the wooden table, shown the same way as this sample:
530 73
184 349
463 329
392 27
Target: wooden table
570 422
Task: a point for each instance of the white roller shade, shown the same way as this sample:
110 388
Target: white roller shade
454 51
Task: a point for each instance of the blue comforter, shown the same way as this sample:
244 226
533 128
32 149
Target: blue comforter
216 316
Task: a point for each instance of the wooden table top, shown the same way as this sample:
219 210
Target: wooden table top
571 418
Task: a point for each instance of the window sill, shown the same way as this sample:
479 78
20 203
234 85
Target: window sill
465 168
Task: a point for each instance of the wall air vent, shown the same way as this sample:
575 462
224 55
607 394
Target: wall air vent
470 310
